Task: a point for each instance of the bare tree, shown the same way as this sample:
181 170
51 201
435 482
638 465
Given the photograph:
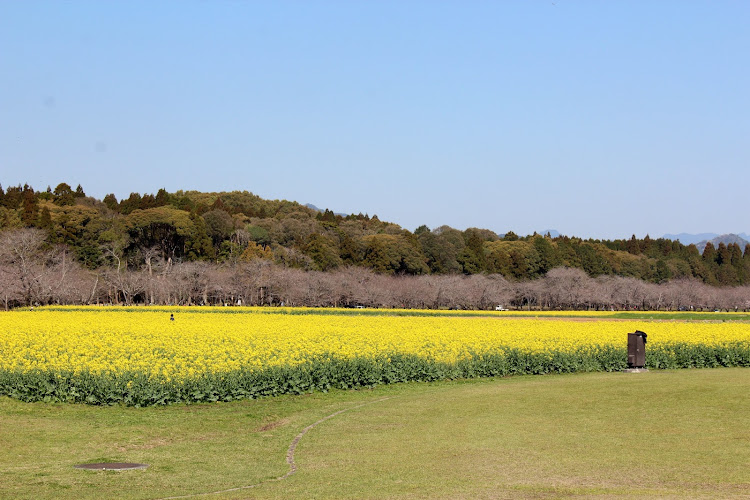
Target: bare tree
569 288
126 285
31 275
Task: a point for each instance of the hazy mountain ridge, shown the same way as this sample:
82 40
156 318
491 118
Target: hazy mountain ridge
701 239
313 207
554 233
727 239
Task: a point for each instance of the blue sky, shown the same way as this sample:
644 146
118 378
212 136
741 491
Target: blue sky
599 119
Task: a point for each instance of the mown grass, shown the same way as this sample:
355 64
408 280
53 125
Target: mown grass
684 316
666 434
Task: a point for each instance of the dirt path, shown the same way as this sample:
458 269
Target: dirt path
289 455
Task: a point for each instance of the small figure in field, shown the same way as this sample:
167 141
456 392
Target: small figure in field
171 317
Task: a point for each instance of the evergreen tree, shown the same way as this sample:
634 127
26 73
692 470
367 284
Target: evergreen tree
147 201
709 254
726 274
13 197
517 265
111 201
737 264
162 198
63 195
45 219
132 203
421 230
350 251
663 273
29 208
472 259
722 254
498 262
46 195
645 244
219 205
548 258
322 253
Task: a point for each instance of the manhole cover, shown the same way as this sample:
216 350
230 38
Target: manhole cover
111 466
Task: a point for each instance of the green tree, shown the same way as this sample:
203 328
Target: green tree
722 254
162 198
13 197
132 203
421 230
472 258
709 254
592 261
45 219
387 253
726 274
737 263
219 225
548 258
440 254
322 252
518 266
663 273
198 243
646 244
259 235
63 195
111 201
633 246
175 233
30 208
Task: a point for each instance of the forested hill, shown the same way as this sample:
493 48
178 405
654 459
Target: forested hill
144 230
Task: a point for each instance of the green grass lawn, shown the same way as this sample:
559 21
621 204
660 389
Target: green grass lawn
665 434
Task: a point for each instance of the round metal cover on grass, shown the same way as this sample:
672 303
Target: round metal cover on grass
111 466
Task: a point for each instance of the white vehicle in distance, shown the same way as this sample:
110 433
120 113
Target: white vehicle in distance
500 308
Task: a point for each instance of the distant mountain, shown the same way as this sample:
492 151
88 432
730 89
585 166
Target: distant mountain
700 240
727 239
687 239
313 207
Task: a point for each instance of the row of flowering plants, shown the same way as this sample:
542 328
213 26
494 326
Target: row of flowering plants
139 356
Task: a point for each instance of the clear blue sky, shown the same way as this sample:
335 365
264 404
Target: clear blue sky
596 118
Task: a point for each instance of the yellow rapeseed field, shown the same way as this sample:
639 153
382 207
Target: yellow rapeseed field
112 340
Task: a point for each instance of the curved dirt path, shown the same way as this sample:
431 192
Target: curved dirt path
289 456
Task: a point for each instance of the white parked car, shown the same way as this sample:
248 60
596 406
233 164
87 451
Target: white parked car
500 308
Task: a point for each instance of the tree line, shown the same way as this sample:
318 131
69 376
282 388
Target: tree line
154 234
31 273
